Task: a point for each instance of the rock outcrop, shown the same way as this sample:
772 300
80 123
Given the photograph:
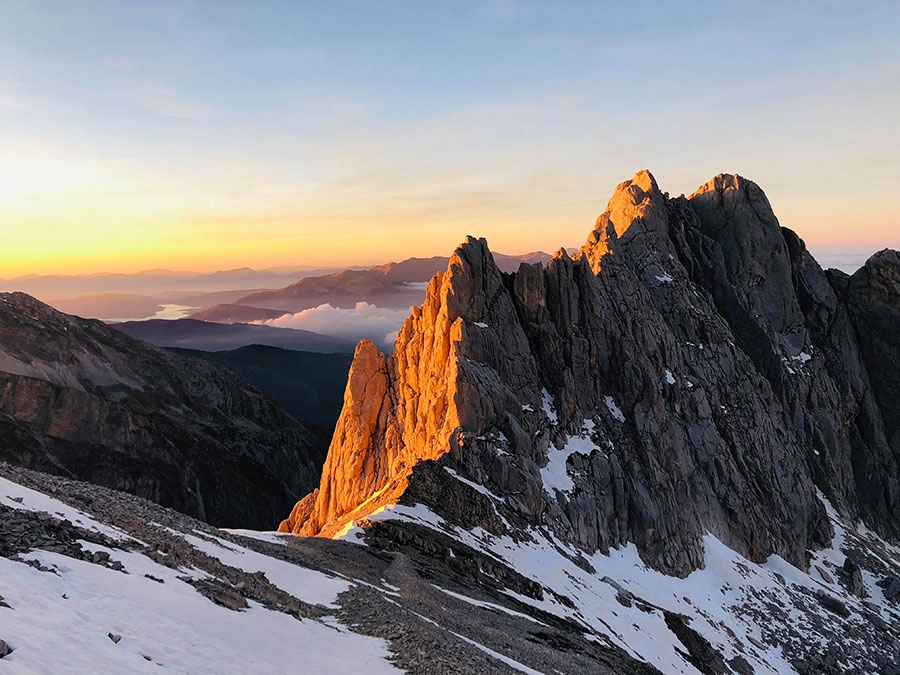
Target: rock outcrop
691 369
80 399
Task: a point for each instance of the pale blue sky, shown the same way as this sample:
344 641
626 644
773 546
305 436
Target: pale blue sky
261 133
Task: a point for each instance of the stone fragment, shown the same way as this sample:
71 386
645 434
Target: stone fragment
853 580
892 588
824 574
833 604
226 598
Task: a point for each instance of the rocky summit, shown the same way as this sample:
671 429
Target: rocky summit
80 399
689 378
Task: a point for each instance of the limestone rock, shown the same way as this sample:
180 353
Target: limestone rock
874 302
712 375
892 588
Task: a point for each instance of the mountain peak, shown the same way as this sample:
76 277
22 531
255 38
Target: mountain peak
735 212
631 194
645 181
636 209
735 194
597 405
401 410
724 181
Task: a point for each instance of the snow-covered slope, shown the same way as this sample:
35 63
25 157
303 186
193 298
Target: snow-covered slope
72 615
769 618
94 580
98 581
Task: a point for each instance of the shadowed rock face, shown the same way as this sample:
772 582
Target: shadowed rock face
722 378
80 399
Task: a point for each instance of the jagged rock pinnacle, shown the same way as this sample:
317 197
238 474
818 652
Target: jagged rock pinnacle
635 210
700 357
735 212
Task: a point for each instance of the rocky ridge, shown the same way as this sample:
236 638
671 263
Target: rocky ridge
80 399
690 370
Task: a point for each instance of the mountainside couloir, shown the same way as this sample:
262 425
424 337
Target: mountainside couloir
80 399
690 370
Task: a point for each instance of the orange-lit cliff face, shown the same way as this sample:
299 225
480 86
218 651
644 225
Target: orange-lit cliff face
396 412
676 334
404 409
636 207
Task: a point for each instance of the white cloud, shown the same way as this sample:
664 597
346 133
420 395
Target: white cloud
378 324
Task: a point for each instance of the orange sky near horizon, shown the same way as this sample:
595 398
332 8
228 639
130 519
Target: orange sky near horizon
87 235
74 248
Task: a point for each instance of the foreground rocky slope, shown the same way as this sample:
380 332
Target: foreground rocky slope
690 376
92 580
80 399
95 580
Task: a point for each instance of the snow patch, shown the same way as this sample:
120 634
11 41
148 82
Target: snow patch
308 585
555 475
270 537
547 404
614 410
728 601
22 498
60 622
475 486
489 605
515 665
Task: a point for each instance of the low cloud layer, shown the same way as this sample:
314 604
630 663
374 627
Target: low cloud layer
845 259
378 324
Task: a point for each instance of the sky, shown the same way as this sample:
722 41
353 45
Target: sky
214 135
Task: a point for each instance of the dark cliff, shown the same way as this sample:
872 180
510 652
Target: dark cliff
691 369
80 399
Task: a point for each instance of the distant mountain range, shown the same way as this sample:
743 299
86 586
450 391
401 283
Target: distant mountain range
122 297
134 306
207 336
232 313
394 285
154 281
